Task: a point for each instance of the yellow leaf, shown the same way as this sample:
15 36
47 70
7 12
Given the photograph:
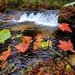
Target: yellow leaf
49 43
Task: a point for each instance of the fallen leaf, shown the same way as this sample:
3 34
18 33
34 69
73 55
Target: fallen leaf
37 43
40 43
65 45
25 44
26 39
38 36
4 35
22 47
49 43
44 44
4 55
3 65
65 27
17 36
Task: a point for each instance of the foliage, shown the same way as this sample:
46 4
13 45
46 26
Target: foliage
65 27
8 5
65 45
25 44
5 54
33 44
4 35
34 1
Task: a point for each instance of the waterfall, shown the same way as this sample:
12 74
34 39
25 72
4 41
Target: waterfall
45 18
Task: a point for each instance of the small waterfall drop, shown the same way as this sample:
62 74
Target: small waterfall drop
47 18
44 18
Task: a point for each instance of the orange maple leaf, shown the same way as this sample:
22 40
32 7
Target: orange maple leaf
65 27
25 44
38 36
37 43
4 55
65 45
3 65
22 47
26 39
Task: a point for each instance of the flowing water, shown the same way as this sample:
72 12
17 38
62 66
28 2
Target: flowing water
44 18
47 18
44 21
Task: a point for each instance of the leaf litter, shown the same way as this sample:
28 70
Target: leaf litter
32 56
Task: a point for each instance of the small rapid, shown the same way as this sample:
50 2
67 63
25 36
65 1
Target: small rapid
44 18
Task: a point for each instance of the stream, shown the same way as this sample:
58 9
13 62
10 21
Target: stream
41 21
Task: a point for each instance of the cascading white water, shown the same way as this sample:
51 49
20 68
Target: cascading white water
47 18
31 17
44 18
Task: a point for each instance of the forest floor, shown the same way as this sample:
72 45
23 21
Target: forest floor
20 62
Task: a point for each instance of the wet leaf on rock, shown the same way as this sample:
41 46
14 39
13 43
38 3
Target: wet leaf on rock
3 65
4 55
65 27
4 35
25 44
65 45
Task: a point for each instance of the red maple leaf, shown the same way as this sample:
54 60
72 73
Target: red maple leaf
65 45
65 27
24 46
